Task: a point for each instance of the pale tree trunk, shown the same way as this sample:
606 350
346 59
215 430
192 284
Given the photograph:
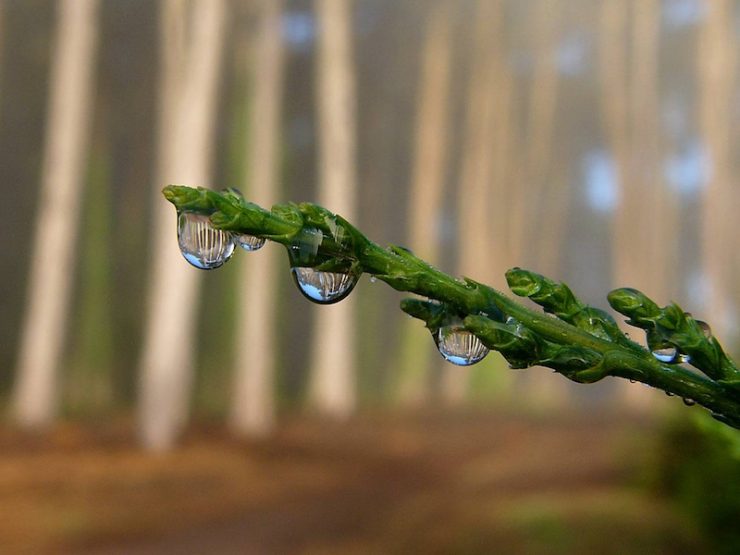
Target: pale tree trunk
614 97
427 187
474 191
540 213
659 206
253 409
652 210
717 70
505 155
533 179
53 254
191 60
630 107
551 191
2 37
332 388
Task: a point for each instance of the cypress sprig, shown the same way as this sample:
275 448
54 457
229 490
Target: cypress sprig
581 342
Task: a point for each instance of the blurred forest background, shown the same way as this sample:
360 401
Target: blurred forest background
592 141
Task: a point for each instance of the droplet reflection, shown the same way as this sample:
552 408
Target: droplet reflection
458 346
250 243
323 287
204 246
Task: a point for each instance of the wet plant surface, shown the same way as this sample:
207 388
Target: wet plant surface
472 483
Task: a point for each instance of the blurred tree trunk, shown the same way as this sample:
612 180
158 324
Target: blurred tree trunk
534 179
614 95
191 35
660 206
505 154
544 173
2 41
717 60
253 409
89 388
427 187
644 215
53 254
540 210
332 388
474 191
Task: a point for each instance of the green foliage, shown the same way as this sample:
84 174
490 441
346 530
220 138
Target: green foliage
698 465
581 342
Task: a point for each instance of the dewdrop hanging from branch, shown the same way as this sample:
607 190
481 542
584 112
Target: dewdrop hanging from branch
327 256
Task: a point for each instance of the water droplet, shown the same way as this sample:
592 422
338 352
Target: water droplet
669 394
458 346
250 243
633 381
688 402
705 328
666 354
204 246
684 358
373 279
323 287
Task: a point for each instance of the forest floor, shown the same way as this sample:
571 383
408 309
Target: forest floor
468 483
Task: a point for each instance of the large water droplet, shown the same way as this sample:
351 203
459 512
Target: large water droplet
323 287
666 354
250 243
204 246
688 402
459 346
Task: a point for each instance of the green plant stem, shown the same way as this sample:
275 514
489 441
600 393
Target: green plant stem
580 342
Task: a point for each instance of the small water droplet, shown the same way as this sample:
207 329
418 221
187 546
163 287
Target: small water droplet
373 279
688 402
204 246
250 243
669 394
458 346
705 328
683 358
666 354
323 287
633 381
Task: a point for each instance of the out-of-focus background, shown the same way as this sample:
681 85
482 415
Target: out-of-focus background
150 407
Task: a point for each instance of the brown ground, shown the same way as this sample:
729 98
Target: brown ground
475 483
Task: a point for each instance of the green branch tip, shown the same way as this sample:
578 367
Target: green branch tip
467 318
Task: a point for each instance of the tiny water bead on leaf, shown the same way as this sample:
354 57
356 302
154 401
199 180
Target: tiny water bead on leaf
250 243
323 287
668 354
458 346
202 245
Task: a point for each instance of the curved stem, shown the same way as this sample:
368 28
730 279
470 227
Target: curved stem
580 342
